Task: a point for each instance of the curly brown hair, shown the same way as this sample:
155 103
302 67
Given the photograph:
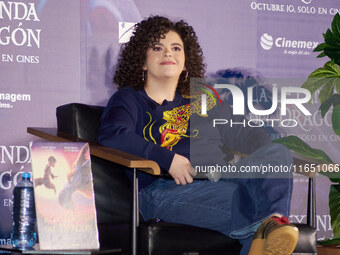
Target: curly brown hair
129 71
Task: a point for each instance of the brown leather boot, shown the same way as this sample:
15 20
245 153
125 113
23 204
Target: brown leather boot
275 236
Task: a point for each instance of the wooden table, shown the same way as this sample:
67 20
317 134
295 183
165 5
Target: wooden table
36 250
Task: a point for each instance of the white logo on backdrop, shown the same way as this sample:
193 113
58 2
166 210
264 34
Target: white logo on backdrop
125 31
266 41
306 1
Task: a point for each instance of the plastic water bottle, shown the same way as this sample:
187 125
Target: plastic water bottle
24 218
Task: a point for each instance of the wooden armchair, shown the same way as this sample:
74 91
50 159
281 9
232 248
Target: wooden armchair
117 198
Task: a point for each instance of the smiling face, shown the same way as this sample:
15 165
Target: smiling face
165 59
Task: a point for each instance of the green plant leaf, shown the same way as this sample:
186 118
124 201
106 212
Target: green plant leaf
320 47
333 100
324 107
321 55
331 66
336 25
330 70
329 242
333 54
327 77
336 119
327 90
295 144
331 39
334 209
312 84
331 46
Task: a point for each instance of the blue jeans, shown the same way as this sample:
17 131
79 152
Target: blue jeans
234 207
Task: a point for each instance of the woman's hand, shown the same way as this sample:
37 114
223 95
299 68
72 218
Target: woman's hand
181 170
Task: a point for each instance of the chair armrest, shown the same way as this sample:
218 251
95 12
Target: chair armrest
110 154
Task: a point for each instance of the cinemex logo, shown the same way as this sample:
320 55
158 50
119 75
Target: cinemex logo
267 42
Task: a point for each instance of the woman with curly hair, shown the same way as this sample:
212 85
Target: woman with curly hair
129 72
149 116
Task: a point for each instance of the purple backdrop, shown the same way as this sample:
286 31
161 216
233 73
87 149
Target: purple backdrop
54 52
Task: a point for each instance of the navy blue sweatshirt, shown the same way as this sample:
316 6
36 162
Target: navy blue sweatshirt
134 123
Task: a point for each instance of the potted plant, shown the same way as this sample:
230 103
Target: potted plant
327 80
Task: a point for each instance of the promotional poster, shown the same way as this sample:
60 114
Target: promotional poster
64 196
